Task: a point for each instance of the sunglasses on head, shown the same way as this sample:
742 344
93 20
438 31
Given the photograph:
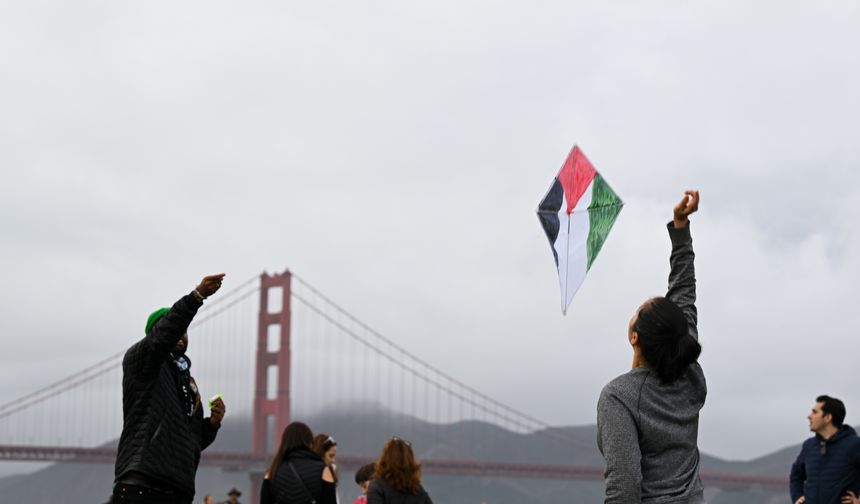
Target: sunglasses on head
401 440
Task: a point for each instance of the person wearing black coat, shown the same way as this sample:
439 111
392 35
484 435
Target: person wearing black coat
398 476
297 475
163 429
380 491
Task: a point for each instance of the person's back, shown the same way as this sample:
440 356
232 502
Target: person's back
667 418
381 491
287 489
297 475
398 476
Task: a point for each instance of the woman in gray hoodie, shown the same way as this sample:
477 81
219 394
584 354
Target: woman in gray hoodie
648 418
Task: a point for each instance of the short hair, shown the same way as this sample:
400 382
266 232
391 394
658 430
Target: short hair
833 407
365 473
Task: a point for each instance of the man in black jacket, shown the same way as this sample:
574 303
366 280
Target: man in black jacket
163 429
827 470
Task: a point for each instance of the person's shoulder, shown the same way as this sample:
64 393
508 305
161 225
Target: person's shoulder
423 495
133 351
696 367
620 382
376 486
327 474
810 442
305 456
852 443
382 487
851 436
625 386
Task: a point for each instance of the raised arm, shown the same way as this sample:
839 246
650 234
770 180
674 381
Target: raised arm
147 354
682 277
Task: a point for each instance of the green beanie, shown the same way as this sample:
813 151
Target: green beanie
154 316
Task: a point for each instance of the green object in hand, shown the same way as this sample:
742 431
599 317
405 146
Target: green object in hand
215 398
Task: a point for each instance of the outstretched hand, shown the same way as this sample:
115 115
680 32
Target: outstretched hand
688 205
210 285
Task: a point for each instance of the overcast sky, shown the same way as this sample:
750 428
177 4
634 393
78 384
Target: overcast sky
393 154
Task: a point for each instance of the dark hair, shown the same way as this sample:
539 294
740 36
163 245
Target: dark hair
365 473
833 407
397 466
297 435
665 340
322 443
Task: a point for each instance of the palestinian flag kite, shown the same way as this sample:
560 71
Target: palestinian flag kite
577 213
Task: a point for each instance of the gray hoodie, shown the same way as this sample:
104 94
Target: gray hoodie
646 430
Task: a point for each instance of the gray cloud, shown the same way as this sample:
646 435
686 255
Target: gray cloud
394 155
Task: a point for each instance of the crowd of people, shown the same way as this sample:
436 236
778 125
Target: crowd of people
647 418
304 470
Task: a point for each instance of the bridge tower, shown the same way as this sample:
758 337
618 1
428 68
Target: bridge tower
271 412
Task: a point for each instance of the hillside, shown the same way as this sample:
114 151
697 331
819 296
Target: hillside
364 434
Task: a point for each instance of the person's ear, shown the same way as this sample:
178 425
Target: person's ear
634 338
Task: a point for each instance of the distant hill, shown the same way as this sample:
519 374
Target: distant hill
364 433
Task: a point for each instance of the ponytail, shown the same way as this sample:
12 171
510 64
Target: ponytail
665 340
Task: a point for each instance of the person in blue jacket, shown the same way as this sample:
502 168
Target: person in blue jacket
827 470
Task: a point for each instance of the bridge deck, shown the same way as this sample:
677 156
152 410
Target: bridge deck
251 462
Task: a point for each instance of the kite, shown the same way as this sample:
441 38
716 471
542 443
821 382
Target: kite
577 214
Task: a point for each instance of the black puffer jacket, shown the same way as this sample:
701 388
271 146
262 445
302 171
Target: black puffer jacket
381 492
159 439
283 487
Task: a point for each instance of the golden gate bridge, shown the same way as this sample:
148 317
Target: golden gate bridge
279 349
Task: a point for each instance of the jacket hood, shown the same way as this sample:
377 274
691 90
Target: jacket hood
844 431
